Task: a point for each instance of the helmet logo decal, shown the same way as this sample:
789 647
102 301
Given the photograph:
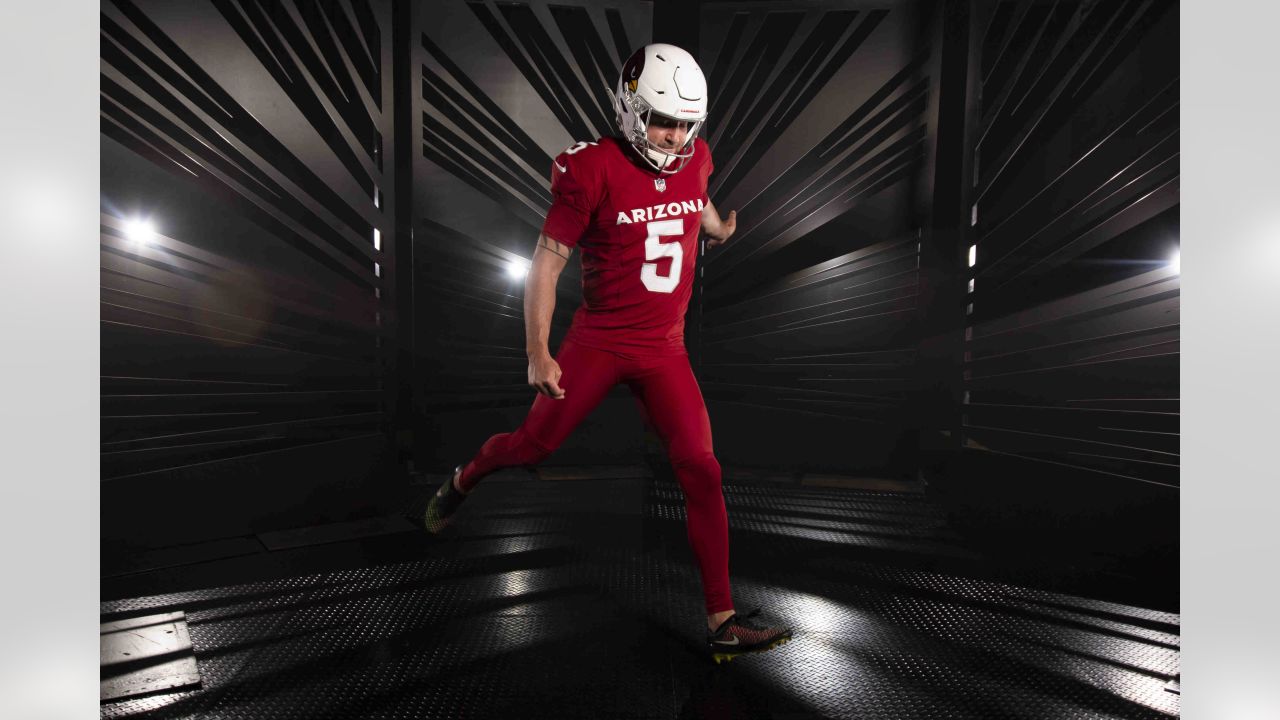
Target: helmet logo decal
631 71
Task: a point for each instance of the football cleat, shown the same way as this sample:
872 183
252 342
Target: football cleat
738 635
444 503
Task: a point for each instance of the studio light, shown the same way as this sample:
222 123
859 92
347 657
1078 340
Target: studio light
139 232
517 269
1176 263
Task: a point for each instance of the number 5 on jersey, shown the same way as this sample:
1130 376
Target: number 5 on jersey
654 249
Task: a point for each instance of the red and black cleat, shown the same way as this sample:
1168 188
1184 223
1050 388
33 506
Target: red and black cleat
738 635
444 503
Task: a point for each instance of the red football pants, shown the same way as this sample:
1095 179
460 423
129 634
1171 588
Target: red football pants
669 398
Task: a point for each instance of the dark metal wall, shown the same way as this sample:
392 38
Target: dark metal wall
1070 403
499 89
820 127
244 355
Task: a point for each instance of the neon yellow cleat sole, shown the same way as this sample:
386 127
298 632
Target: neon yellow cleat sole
728 657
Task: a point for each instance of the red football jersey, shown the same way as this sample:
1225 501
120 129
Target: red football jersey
637 232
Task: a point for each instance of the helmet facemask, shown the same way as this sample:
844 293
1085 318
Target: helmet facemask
660 159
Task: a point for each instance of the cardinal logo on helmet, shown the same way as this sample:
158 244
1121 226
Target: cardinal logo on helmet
631 71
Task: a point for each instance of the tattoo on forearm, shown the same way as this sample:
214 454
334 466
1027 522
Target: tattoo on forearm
546 243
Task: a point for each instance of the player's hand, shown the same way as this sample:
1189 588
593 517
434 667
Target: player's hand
727 226
544 376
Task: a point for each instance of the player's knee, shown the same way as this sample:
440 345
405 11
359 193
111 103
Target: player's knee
702 466
530 450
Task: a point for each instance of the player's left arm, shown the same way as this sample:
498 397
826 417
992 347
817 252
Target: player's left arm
715 227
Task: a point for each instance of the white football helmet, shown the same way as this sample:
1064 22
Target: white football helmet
664 80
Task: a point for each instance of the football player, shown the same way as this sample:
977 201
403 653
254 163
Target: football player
633 206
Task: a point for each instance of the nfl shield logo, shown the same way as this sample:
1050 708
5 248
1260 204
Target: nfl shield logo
660 183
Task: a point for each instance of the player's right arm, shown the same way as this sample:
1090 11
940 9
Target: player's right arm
549 259
576 189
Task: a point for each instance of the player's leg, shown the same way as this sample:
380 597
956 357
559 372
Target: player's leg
586 377
674 405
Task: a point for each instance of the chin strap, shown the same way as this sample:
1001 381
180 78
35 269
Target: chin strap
670 159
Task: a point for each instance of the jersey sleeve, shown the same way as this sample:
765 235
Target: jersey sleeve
575 195
706 168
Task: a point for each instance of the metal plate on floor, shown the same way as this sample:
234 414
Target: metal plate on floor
504 620
145 655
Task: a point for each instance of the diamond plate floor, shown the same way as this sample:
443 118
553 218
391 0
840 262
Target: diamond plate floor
579 599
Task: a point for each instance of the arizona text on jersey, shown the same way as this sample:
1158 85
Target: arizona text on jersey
638 236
